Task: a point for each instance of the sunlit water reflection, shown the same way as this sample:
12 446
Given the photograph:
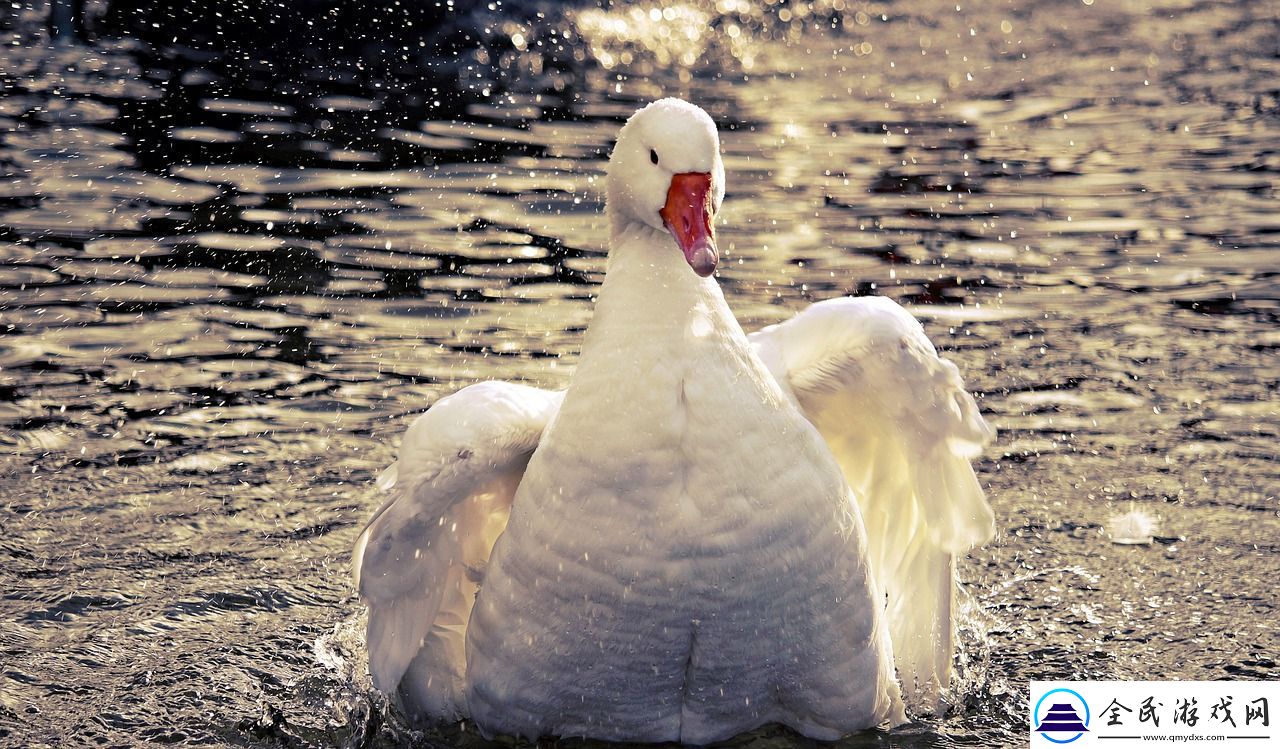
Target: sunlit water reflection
222 294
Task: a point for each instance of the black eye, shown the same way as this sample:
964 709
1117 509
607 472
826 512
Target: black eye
653 156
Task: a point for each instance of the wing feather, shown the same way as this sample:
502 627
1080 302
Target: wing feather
904 429
418 563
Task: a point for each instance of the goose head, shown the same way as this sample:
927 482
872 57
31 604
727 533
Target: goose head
665 173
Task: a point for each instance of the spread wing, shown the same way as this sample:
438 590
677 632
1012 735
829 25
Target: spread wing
903 428
419 562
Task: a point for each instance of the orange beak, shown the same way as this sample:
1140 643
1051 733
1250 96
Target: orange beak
687 215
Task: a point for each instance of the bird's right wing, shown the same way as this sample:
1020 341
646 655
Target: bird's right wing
419 562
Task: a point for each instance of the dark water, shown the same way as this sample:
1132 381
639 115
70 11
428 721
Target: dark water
225 286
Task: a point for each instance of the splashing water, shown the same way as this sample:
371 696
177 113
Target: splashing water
1135 527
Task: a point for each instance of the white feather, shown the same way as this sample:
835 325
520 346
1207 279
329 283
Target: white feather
417 562
903 428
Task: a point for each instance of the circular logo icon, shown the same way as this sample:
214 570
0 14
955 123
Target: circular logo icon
1057 716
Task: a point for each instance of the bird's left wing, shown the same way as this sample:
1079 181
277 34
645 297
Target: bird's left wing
903 428
419 561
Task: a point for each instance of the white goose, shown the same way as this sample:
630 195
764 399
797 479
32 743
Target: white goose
707 531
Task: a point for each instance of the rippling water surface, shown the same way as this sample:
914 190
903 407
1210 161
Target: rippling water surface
225 288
